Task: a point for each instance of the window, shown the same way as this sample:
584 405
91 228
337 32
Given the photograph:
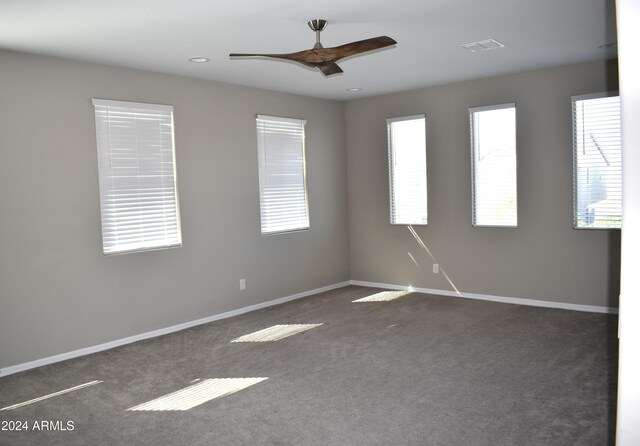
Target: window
407 170
597 162
281 168
494 198
137 175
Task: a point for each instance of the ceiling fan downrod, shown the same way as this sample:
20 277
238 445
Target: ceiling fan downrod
317 25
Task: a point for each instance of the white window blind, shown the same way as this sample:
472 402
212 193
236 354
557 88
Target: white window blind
282 171
407 170
597 158
493 160
137 175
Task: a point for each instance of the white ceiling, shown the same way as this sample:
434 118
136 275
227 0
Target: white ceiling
161 35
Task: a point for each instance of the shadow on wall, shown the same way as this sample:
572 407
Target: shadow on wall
613 259
613 253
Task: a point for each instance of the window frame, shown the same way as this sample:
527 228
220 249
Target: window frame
473 134
105 151
574 148
261 179
391 149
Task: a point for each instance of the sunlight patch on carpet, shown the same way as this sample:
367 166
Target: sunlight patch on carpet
197 394
383 296
275 333
51 395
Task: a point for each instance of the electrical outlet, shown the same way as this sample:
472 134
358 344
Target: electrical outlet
243 284
436 268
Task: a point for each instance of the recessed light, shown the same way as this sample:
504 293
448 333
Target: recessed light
483 45
199 59
354 90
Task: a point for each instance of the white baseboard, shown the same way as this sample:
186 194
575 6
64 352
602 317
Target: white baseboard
488 297
152 334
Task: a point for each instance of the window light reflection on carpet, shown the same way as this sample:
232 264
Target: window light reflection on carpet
51 395
275 333
383 296
197 394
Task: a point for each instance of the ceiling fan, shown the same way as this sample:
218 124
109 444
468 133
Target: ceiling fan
325 58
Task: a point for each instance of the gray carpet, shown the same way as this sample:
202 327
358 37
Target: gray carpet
420 370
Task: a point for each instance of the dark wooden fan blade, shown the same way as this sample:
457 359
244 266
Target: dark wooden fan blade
296 57
329 68
321 55
361 46
276 56
325 58
247 55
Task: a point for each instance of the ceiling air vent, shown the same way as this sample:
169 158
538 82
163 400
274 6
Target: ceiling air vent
483 45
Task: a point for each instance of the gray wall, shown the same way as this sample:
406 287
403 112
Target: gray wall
544 258
58 292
